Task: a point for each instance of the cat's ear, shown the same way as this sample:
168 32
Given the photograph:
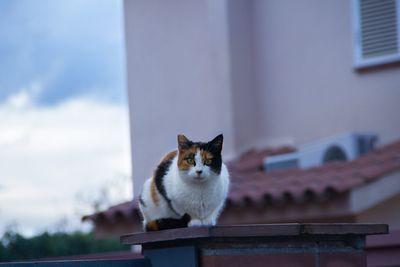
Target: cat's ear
216 143
183 142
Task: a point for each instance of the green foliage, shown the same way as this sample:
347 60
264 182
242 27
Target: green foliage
15 247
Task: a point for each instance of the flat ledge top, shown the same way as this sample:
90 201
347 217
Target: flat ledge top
254 230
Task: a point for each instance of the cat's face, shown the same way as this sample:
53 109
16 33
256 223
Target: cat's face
199 161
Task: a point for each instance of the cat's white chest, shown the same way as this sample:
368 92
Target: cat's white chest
197 200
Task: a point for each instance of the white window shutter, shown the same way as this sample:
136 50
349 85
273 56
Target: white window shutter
376 30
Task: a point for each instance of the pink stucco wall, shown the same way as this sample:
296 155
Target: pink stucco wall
177 77
306 84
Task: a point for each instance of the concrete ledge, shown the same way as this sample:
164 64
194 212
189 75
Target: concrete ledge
256 230
255 245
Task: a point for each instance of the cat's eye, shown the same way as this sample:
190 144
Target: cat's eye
208 161
190 160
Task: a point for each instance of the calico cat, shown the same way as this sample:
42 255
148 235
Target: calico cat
188 188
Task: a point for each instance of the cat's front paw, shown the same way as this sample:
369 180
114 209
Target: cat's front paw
198 223
209 222
195 223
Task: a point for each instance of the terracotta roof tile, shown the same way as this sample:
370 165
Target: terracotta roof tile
124 210
334 176
249 183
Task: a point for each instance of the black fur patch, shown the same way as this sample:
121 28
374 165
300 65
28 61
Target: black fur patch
216 162
159 177
159 174
215 148
168 223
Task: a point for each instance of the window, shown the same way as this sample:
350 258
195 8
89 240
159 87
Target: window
376 29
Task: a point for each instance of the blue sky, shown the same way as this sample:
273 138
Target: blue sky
64 132
72 48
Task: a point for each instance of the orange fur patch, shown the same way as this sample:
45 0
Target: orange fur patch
153 192
169 156
206 155
184 154
152 226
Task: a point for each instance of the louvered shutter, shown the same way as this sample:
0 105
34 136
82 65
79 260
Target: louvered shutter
376 32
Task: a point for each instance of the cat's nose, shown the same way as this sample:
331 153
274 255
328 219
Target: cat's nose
199 172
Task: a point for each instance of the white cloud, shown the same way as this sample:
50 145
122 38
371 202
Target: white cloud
25 97
48 154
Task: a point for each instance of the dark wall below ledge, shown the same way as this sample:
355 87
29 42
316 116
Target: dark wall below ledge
258 245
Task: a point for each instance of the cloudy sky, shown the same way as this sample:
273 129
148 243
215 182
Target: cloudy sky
64 129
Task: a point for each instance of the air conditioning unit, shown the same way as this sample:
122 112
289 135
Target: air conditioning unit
284 161
347 146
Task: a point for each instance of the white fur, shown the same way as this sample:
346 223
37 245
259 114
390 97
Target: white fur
201 196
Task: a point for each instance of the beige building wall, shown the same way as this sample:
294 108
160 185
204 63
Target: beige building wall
177 61
246 114
306 84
